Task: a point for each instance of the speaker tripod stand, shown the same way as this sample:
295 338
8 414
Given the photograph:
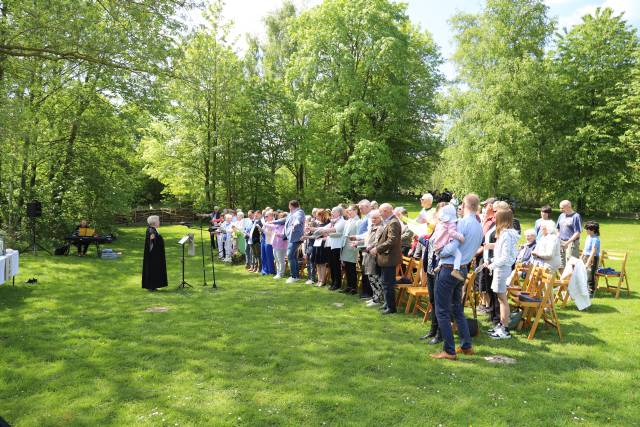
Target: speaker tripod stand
34 241
183 284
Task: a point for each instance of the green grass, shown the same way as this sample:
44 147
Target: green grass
80 349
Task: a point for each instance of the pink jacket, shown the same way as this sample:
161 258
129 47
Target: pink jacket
278 234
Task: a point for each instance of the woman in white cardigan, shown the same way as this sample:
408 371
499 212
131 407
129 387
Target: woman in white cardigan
335 240
547 252
349 254
504 256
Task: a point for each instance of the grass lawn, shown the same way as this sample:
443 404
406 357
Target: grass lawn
79 348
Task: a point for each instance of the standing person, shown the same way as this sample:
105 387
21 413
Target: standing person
449 289
254 237
369 265
154 263
545 214
333 232
445 231
279 245
266 245
569 227
427 212
321 252
293 231
248 224
388 253
407 235
486 276
591 253
310 222
349 254
363 229
225 238
504 257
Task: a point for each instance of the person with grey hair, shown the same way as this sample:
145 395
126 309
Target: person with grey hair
427 212
369 265
363 230
547 252
154 263
388 253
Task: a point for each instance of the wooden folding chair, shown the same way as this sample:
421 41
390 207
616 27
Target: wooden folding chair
417 290
538 303
561 286
516 286
621 275
404 273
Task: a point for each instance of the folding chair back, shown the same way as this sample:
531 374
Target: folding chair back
622 282
539 303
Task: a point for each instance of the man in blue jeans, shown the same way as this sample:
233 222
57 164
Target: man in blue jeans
293 231
448 289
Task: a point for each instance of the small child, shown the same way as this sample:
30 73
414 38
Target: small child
444 232
591 253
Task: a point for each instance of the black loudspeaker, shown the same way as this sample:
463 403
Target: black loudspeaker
34 209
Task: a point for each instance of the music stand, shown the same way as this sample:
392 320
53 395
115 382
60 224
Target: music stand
204 269
212 230
184 283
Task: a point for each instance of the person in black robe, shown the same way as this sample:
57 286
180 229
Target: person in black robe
154 264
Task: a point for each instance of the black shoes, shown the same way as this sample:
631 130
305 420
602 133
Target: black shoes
334 288
388 311
435 340
431 334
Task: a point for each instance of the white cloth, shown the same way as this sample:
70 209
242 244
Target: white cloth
578 287
2 263
9 265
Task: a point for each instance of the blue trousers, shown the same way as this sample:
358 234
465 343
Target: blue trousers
248 255
388 277
292 256
266 253
448 300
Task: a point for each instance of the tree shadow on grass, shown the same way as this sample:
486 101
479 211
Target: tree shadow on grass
14 296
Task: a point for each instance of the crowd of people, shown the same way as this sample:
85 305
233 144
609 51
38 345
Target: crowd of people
447 236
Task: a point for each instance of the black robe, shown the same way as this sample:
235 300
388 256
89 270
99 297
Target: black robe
154 264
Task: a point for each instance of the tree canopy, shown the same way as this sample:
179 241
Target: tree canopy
105 104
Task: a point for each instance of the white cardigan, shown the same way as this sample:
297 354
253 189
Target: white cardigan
548 251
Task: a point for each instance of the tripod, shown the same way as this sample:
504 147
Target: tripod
34 242
184 283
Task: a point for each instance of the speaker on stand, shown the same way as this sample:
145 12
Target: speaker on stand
34 210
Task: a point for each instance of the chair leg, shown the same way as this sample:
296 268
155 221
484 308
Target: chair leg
626 280
408 306
536 322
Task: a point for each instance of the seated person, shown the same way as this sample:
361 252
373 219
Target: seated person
524 254
82 245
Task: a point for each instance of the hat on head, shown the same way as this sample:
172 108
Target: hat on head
448 214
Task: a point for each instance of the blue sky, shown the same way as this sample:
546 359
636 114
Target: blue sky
429 14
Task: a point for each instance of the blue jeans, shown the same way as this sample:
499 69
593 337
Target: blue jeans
388 277
248 255
448 300
292 256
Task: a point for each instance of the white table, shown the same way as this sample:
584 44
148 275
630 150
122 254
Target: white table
9 267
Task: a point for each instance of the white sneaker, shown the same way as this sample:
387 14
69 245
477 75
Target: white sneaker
373 304
277 276
500 333
309 282
292 280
